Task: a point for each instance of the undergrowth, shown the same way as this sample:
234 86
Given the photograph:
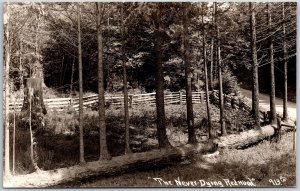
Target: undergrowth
58 140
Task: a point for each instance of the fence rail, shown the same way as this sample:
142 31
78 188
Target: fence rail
60 104
116 100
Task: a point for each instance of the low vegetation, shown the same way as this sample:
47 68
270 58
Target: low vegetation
264 162
60 133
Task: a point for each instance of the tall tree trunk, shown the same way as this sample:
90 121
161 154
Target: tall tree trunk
188 77
81 146
39 68
109 84
72 74
104 154
14 139
7 90
126 111
20 65
272 75
210 134
30 128
221 100
255 89
160 103
285 58
211 73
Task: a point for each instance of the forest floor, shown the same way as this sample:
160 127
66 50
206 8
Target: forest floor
267 164
60 134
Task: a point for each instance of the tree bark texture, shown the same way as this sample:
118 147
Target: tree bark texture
285 60
211 73
81 144
188 76
272 75
126 110
255 88
104 154
210 134
221 98
160 103
7 91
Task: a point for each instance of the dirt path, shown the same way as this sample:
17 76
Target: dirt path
264 103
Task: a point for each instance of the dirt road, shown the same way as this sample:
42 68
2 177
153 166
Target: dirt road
264 103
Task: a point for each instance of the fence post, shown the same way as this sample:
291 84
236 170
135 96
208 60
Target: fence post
240 103
130 101
201 97
180 98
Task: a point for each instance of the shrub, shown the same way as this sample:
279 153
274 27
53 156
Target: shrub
230 85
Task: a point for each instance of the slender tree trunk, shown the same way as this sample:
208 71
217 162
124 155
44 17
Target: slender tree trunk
109 83
7 90
72 74
20 65
160 103
255 92
39 68
30 128
211 73
221 100
104 154
272 75
126 111
188 76
81 146
14 140
210 134
285 58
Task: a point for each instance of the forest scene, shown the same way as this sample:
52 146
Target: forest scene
149 94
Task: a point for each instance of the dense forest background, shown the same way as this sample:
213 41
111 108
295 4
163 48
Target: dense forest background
53 28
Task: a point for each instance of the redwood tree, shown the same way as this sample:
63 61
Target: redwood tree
210 134
272 75
160 104
104 154
126 111
81 146
7 63
188 75
285 60
221 98
255 89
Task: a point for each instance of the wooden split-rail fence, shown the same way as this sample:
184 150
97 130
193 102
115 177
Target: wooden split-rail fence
147 99
60 104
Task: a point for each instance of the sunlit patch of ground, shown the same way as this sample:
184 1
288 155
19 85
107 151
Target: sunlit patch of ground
263 164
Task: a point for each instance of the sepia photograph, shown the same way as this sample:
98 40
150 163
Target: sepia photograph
149 94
